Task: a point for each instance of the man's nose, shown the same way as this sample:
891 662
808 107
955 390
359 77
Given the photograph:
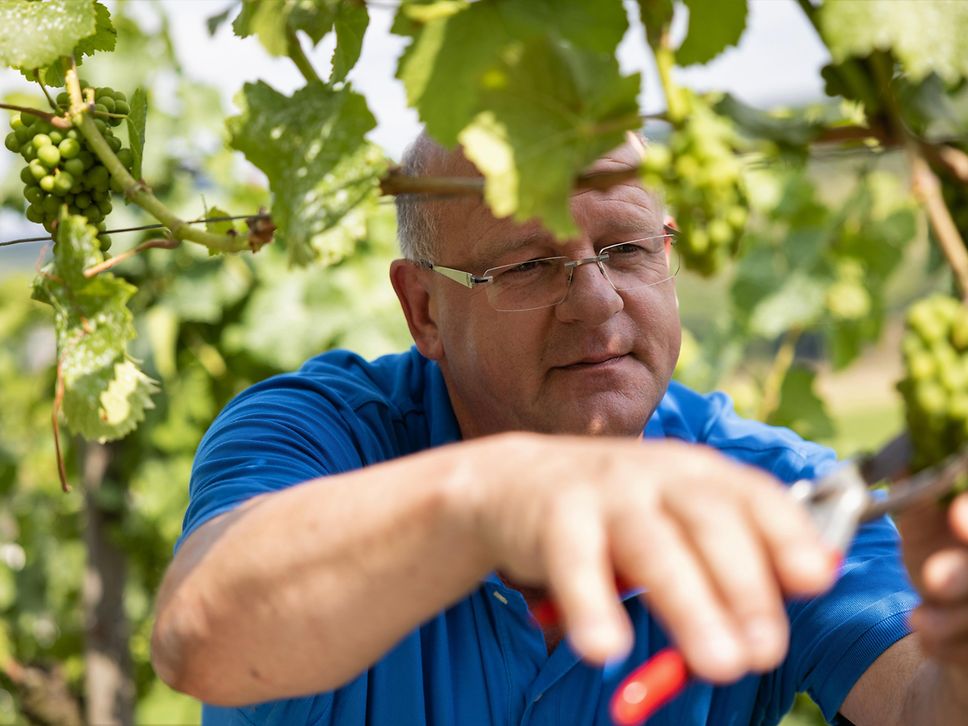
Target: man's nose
590 298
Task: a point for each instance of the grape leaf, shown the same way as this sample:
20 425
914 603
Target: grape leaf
445 68
203 291
797 304
352 20
714 25
924 36
137 118
792 129
322 172
800 408
108 404
271 21
551 111
33 35
104 37
105 395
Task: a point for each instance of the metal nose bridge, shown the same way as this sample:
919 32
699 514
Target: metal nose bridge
572 265
599 259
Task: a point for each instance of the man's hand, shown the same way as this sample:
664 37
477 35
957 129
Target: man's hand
935 545
717 545
923 678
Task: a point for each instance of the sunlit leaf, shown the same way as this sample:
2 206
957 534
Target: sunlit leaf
105 395
446 68
35 34
924 36
321 169
552 110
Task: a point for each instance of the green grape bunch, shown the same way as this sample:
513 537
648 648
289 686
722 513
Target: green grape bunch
63 170
935 383
702 177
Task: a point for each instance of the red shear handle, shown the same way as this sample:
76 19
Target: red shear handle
649 687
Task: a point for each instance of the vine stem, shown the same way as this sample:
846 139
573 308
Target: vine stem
299 57
778 370
925 184
395 182
927 189
43 87
57 121
137 191
665 60
55 414
163 244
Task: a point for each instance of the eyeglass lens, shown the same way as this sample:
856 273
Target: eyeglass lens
544 282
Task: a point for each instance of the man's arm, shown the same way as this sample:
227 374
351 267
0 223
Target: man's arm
298 591
303 589
923 678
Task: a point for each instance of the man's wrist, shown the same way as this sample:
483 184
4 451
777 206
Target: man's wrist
937 695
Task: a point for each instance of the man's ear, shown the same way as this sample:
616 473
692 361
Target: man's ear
412 286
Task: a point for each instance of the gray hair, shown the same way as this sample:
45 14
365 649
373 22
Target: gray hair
417 221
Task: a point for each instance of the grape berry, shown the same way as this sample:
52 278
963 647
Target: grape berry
935 384
701 176
62 170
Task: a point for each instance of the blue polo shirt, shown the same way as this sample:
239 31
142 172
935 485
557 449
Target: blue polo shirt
483 661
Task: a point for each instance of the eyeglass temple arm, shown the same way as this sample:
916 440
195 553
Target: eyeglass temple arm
464 278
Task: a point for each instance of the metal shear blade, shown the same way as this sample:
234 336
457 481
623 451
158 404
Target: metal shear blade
842 500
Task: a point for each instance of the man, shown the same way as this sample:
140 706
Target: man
364 539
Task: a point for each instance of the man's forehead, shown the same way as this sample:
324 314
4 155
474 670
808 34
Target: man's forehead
468 222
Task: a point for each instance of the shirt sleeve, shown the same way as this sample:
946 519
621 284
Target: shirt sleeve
276 434
836 637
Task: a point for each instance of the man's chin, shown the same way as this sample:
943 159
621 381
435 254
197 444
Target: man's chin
596 421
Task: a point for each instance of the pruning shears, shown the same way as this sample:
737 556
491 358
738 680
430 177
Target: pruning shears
839 503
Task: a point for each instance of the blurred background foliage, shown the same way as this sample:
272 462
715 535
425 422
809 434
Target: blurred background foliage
801 329
208 327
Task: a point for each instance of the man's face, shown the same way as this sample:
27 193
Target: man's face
597 363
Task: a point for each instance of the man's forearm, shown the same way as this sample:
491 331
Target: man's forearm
301 590
938 696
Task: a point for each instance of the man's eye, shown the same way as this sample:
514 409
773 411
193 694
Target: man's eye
529 266
628 248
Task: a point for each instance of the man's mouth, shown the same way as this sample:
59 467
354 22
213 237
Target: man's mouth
603 360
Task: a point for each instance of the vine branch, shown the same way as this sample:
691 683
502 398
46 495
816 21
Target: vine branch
924 182
53 119
927 189
138 191
665 60
43 87
163 243
778 370
55 423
